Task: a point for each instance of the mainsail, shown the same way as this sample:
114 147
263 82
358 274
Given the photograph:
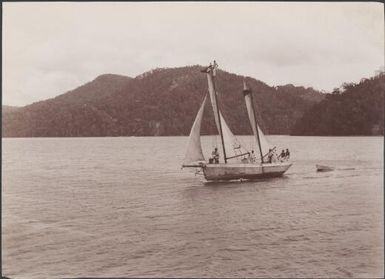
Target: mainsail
194 152
232 145
230 142
263 144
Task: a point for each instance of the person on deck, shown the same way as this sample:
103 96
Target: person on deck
252 157
282 156
287 154
270 155
274 158
215 155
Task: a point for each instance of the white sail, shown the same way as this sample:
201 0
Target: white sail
194 152
258 134
232 145
265 145
213 98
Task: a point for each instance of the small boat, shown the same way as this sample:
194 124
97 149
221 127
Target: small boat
324 168
233 161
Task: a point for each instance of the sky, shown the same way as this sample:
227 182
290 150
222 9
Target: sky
51 48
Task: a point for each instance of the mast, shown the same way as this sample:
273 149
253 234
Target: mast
212 73
247 91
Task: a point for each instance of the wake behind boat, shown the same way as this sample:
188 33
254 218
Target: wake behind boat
234 161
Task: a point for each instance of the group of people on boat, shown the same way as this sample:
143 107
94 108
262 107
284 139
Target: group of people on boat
272 156
285 155
250 158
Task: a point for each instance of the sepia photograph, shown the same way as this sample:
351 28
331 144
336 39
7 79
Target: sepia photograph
192 139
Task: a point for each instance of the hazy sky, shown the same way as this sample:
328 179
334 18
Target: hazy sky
50 48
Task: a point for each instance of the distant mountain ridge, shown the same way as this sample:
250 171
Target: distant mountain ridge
157 103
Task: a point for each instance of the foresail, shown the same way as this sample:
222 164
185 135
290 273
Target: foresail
194 152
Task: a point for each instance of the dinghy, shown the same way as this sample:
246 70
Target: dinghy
323 168
234 160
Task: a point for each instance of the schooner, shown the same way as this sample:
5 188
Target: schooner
233 162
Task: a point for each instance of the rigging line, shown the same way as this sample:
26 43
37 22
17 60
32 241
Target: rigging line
241 143
237 140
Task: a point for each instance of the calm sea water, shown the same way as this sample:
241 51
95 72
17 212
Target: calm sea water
122 207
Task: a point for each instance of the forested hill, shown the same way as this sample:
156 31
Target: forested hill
158 102
9 109
356 109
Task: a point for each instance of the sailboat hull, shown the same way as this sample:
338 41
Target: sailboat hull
215 172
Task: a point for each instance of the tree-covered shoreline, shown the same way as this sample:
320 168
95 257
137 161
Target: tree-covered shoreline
352 110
